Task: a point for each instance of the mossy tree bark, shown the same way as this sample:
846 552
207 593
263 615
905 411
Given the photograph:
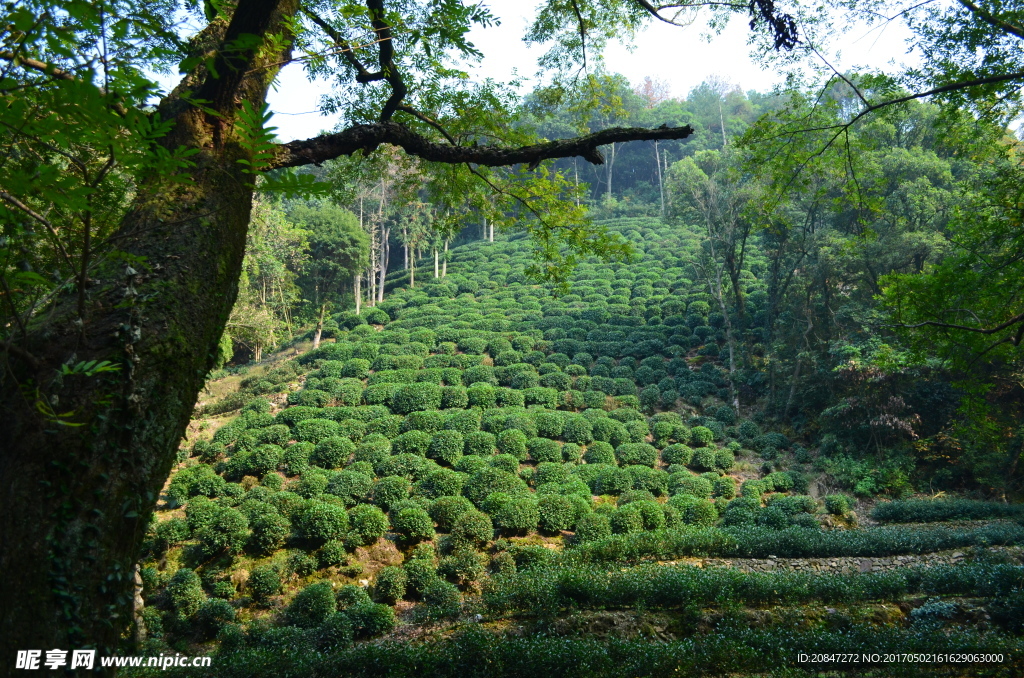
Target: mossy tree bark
75 500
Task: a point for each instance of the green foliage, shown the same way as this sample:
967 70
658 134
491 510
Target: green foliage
446 446
312 605
838 504
369 522
938 510
320 521
390 584
413 524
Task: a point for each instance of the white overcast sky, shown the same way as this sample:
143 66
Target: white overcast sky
681 57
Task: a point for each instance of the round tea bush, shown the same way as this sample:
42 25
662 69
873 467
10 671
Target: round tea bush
264 581
332 553
636 453
694 511
369 522
351 486
479 442
315 430
390 584
445 511
838 504
320 521
599 452
429 421
637 431
471 464
627 519
332 452
295 459
701 436
454 397
556 513
753 488
748 429
513 514
592 527
446 446
441 483
311 484
551 472
544 450
489 480
724 487
724 459
505 462
779 481
465 422
312 606
411 442
391 490
677 454
269 532
418 396
576 429
413 524
482 395
549 424
513 441
704 458
572 453
473 528
185 593
685 483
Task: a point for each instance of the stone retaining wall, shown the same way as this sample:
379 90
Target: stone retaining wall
846 565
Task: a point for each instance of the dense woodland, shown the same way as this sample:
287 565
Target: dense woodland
598 380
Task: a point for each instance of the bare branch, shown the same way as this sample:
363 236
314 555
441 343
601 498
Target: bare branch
10 199
368 137
967 328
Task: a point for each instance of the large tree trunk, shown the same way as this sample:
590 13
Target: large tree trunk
75 500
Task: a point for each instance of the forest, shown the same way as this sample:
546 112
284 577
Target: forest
594 379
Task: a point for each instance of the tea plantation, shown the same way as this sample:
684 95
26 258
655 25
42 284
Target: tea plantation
480 478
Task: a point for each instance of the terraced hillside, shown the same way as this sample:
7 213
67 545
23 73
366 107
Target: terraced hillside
476 478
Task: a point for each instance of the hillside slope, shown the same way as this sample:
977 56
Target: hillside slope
500 482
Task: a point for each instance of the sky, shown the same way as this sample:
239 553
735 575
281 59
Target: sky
680 57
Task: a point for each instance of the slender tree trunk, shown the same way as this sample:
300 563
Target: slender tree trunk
444 265
75 501
490 237
385 259
319 325
358 295
661 184
436 275
138 605
611 166
412 272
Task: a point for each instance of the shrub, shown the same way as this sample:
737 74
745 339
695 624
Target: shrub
724 459
369 522
513 441
512 514
332 452
185 593
576 429
572 453
701 436
390 584
454 397
419 396
351 486
411 442
753 488
464 565
686 483
489 480
677 454
599 452
627 519
549 424
295 459
446 446
413 524
391 490
544 450
429 421
694 511
322 522
350 595
748 429
482 395
269 532
441 483
193 481
312 605
264 581
465 422
445 511
779 481
937 510
636 453
473 528
555 513
592 527
776 440
724 487
315 430
441 598
637 431
838 504
704 458
479 442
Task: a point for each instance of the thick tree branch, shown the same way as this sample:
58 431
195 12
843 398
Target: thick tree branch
368 137
993 20
386 51
967 328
